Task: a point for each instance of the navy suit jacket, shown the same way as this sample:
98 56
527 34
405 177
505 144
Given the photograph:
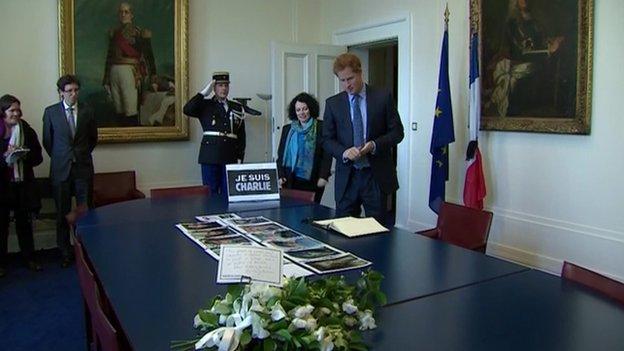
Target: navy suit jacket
383 126
67 152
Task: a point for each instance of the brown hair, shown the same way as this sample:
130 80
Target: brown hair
347 60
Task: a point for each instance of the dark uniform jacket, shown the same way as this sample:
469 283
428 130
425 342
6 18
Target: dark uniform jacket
30 193
213 118
67 152
321 167
383 126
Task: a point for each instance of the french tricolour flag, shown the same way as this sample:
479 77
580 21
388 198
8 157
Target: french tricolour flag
474 186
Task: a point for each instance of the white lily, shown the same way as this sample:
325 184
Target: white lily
366 320
277 312
197 322
257 328
348 307
299 323
303 311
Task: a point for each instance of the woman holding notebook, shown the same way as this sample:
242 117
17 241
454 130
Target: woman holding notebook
20 151
302 163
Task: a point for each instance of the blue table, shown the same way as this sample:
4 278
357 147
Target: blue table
134 254
182 208
525 311
156 278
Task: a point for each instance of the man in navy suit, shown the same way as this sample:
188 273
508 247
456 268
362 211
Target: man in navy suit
361 127
69 137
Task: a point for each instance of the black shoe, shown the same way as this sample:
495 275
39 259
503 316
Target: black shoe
34 266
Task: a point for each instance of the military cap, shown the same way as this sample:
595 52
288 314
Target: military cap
221 77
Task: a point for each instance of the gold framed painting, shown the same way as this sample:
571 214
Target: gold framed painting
536 64
132 61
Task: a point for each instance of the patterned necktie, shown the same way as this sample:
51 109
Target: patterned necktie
358 125
358 131
70 121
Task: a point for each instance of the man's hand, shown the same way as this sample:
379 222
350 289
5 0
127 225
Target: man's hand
352 153
208 88
367 148
321 183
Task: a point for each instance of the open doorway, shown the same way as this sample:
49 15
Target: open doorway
380 67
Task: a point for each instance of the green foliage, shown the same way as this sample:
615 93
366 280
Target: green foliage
315 313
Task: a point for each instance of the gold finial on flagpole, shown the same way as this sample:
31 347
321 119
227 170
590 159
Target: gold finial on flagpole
446 15
474 15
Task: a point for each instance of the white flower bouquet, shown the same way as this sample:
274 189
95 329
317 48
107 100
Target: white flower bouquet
322 314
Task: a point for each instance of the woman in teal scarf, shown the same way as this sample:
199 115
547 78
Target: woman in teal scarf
302 163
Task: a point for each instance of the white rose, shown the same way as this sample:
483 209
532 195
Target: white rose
366 320
299 323
349 307
303 311
277 312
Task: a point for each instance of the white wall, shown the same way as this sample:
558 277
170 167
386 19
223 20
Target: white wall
229 35
554 197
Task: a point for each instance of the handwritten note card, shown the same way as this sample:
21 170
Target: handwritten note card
245 264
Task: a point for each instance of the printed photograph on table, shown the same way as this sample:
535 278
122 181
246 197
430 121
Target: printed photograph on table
214 244
294 244
189 226
342 263
261 228
323 252
216 217
276 235
248 220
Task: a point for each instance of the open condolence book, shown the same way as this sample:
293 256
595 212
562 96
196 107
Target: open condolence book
352 227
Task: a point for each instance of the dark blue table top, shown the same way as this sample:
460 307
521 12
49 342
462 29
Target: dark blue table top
156 278
180 208
526 311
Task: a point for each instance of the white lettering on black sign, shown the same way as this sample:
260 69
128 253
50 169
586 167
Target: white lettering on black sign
255 182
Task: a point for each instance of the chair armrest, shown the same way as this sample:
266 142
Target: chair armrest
433 233
137 194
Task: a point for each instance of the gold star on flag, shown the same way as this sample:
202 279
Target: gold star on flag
438 112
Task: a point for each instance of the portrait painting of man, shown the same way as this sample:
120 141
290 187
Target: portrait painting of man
530 59
125 54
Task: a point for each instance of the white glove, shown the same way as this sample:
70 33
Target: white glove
208 89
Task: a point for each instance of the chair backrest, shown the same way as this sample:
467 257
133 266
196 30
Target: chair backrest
102 331
598 282
112 187
105 334
298 194
464 226
181 191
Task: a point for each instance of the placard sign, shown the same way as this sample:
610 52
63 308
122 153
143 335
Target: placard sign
252 182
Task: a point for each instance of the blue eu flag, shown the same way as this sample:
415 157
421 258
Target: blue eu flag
443 133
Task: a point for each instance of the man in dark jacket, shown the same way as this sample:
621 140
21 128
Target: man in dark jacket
69 136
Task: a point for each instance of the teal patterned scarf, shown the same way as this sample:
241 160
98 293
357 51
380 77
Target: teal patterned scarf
300 148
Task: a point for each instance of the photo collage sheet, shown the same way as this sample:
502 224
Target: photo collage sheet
212 231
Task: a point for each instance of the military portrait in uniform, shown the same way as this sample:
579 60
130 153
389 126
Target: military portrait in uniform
535 64
131 57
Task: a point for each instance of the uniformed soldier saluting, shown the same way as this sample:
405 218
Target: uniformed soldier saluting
224 130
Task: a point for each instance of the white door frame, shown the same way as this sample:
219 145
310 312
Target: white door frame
401 29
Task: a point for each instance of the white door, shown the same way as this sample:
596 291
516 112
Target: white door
297 68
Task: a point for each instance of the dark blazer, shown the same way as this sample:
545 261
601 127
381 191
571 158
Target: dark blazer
30 193
383 126
321 168
217 149
65 150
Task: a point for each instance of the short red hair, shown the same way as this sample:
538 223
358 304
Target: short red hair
347 60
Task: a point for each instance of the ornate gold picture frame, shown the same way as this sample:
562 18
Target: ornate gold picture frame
132 61
536 65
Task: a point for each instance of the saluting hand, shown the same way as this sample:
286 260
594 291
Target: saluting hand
208 88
